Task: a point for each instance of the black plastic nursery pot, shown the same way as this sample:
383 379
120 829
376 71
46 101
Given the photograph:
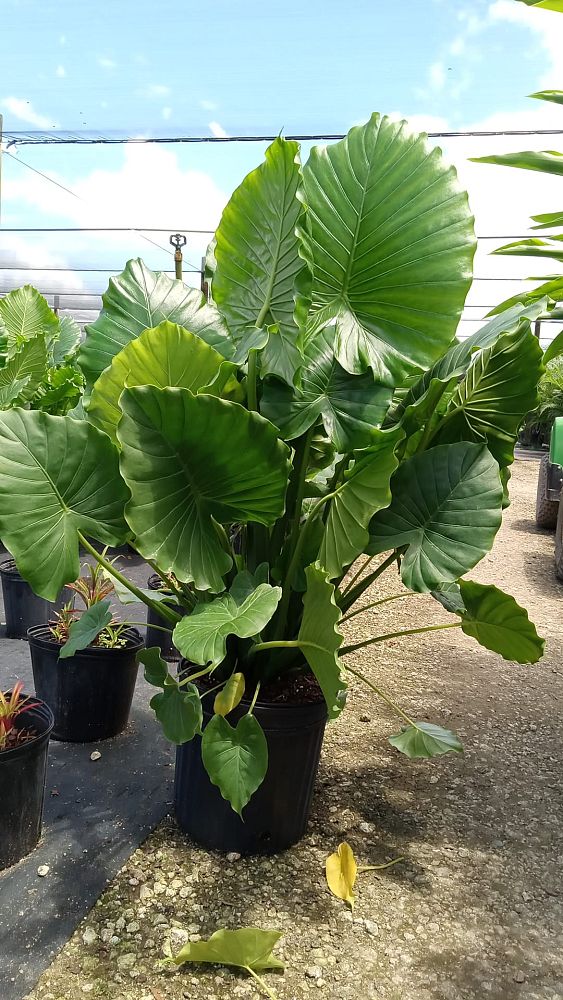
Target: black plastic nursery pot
276 816
90 693
154 636
22 607
22 786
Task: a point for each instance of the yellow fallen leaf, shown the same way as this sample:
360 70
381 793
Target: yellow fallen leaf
230 695
341 871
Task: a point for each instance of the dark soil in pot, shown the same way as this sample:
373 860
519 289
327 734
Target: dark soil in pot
22 785
90 693
293 721
154 636
22 607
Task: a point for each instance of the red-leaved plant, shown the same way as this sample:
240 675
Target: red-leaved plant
12 704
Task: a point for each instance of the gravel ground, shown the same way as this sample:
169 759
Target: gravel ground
475 910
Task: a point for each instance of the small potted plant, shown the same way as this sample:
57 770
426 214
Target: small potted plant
317 410
25 726
85 663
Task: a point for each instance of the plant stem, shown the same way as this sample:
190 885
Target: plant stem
358 574
394 635
379 868
169 584
157 607
357 591
194 677
261 983
251 392
374 604
283 644
385 697
294 534
159 627
254 699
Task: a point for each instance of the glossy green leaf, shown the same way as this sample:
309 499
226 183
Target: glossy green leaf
548 220
550 291
548 161
556 5
67 340
257 258
350 406
497 391
164 356
366 489
201 636
156 669
446 510
555 96
321 639
185 481
58 476
235 758
497 622
23 372
449 596
139 299
230 695
424 739
178 709
389 240
532 247
554 349
24 314
246 948
85 629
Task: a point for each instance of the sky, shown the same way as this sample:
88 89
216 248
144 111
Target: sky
134 69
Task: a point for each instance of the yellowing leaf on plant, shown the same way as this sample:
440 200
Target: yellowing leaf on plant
341 871
230 695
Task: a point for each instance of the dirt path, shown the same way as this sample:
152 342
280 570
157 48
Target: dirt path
476 911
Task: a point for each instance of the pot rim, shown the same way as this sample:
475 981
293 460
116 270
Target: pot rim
302 708
8 567
40 712
40 636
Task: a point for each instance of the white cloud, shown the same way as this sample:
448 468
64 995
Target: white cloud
166 113
217 130
22 109
60 71
106 63
208 105
548 29
157 90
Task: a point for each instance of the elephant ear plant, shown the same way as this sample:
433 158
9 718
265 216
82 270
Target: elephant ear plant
316 409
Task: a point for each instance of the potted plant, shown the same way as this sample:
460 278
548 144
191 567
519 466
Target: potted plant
23 608
85 664
25 726
317 409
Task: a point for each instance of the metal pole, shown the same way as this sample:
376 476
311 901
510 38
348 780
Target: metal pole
178 240
537 328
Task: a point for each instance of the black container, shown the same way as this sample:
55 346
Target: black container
276 816
154 636
22 607
22 786
90 693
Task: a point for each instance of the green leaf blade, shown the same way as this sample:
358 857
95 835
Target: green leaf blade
85 629
497 622
321 639
425 740
235 758
245 948
178 709
201 636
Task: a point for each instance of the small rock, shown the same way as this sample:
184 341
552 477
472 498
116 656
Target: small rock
95 755
43 870
89 936
233 856
366 827
145 892
159 888
126 961
371 927
178 938
519 977
120 924
314 972
133 927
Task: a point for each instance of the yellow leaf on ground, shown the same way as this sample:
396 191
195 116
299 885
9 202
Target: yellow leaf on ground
341 871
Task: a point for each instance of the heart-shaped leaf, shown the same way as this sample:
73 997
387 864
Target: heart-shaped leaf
246 948
230 695
178 709
365 490
58 476
156 669
139 299
446 509
25 314
85 629
163 356
23 372
499 623
389 240
321 639
184 482
341 872
424 739
236 759
202 635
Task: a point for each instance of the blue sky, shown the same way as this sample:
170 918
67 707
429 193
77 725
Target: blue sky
134 68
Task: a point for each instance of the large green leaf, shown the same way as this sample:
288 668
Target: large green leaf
425 739
532 247
193 463
547 220
549 292
24 314
23 372
556 5
68 339
257 258
178 709
548 161
165 355
235 758
446 510
321 639
139 299
86 628
499 388
554 349
348 405
365 490
389 240
499 623
245 948
58 476
202 635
